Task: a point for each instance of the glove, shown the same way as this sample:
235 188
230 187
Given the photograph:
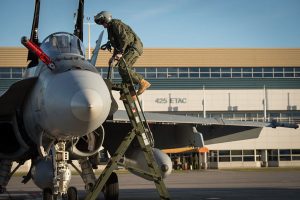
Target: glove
118 56
112 61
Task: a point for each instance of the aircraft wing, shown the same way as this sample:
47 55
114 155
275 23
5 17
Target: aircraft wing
180 119
175 131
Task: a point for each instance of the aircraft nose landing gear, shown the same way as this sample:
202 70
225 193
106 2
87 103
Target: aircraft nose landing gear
72 194
61 176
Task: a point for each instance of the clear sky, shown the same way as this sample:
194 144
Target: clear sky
173 23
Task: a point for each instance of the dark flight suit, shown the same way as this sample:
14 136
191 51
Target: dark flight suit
125 41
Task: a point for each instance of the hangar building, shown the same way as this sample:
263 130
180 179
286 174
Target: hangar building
237 84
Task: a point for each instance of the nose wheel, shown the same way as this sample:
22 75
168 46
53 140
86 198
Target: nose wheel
72 194
60 189
47 194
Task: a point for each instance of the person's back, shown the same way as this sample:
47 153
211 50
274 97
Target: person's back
121 35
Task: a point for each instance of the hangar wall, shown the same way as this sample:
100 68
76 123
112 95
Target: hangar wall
232 102
240 84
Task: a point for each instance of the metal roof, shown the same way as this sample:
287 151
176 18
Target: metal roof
184 57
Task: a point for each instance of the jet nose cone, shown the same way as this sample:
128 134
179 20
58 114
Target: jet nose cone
86 105
73 103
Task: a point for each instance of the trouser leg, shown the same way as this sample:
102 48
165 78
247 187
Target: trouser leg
126 69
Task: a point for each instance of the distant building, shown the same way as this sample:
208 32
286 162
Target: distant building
237 84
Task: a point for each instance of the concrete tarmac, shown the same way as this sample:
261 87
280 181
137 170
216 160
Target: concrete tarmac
255 184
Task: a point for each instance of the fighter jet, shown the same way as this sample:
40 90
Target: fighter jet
63 110
56 114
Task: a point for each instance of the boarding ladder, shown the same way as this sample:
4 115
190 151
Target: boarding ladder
144 137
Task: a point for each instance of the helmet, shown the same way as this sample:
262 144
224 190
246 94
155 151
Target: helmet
103 17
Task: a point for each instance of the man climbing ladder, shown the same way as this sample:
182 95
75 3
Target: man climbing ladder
127 45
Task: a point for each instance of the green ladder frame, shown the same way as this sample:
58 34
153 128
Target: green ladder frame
143 136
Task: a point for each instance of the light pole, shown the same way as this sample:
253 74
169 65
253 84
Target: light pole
89 36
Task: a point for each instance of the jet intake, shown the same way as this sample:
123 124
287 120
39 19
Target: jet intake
87 145
12 146
136 163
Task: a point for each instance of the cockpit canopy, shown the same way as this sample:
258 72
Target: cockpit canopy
62 43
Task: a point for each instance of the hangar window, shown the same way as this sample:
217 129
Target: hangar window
257 75
236 155
295 154
226 72
204 69
296 157
215 72
141 70
151 72
236 72
268 75
248 155
273 155
258 154
5 72
285 154
226 75
205 72
288 72
295 151
183 72
194 72
194 69
236 158
236 75
257 72
204 75
17 72
236 152
172 72
257 69
268 72
297 71
278 71
247 72
224 156
162 72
